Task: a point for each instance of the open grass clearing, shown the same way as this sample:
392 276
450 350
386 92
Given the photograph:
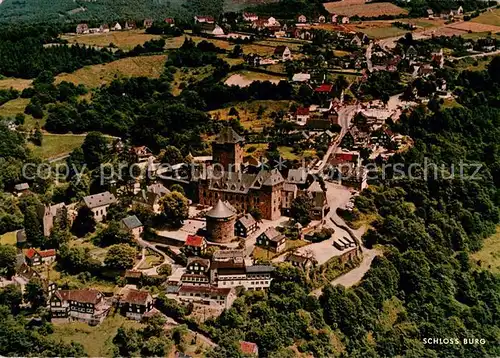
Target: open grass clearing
16 83
347 8
489 256
260 253
152 259
55 145
248 113
490 17
125 40
97 340
246 78
186 76
103 74
9 238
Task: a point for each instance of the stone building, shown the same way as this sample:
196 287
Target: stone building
227 150
220 223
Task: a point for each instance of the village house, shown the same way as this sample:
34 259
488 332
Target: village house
265 22
197 271
272 240
104 28
99 203
344 20
234 274
324 89
169 20
204 19
116 27
302 261
87 305
302 115
233 255
245 226
150 197
249 17
133 225
288 193
136 303
321 19
207 295
302 19
319 201
210 28
21 189
356 41
249 349
140 154
282 53
147 23
334 18
195 245
36 257
430 14
82 29
301 77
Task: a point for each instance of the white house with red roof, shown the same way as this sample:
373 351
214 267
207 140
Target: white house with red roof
36 257
135 303
204 19
324 88
195 245
248 16
302 115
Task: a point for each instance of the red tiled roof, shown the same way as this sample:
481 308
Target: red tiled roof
325 87
137 297
302 111
30 253
248 347
47 253
169 20
194 240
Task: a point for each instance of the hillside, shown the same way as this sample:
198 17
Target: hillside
97 10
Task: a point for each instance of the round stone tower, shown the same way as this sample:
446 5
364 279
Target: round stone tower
220 223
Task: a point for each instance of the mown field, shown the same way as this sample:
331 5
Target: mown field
489 18
98 75
125 40
361 9
16 83
55 145
489 255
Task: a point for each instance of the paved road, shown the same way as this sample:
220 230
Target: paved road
152 271
368 56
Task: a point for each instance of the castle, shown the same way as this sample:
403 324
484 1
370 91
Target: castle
227 180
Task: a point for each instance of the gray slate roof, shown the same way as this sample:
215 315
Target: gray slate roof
297 176
259 268
247 220
228 135
131 222
98 200
220 211
273 234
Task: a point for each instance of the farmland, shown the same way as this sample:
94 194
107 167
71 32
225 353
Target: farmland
98 75
55 145
125 40
489 18
16 83
363 10
245 78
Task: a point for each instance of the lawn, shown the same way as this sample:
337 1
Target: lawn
489 256
288 154
54 145
125 40
489 18
16 83
248 113
9 238
98 75
152 259
382 32
256 150
187 76
97 341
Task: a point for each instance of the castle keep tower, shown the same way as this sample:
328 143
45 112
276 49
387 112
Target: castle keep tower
220 223
227 150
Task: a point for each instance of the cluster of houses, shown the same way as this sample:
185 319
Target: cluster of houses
446 15
84 28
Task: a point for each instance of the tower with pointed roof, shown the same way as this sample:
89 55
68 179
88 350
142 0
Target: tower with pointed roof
227 150
220 223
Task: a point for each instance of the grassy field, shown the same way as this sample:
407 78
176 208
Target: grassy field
248 113
245 78
98 75
186 76
489 255
152 259
16 83
56 145
288 154
382 32
9 238
97 341
368 10
489 18
125 40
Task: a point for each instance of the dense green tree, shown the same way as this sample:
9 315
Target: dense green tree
95 149
175 208
301 209
35 294
84 223
7 260
113 234
120 257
